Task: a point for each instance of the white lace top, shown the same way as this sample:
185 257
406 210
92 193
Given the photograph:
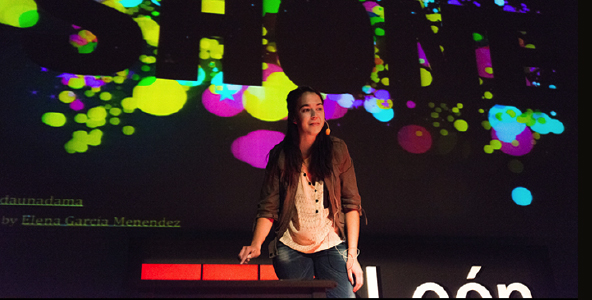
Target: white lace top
310 230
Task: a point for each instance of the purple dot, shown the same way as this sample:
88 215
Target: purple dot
410 104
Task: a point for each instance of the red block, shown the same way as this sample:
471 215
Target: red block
230 272
266 272
171 272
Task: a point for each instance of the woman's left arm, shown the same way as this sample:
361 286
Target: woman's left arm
354 270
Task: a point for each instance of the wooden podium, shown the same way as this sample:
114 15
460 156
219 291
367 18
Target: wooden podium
234 289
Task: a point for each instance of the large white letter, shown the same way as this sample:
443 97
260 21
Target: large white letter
504 292
430 286
472 286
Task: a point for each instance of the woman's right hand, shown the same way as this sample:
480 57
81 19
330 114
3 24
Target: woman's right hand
248 253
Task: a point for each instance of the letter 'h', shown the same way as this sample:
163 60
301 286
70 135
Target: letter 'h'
182 26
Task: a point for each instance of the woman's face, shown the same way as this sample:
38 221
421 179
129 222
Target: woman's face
310 114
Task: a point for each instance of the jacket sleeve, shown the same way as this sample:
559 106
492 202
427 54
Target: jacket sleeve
350 197
269 199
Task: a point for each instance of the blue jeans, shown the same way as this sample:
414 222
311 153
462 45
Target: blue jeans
327 265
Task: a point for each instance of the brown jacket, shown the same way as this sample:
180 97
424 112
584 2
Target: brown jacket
277 199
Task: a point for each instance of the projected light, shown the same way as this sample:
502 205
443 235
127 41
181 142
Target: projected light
414 139
254 147
19 13
160 97
522 196
150 30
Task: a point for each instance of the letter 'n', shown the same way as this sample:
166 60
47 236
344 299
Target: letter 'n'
182 25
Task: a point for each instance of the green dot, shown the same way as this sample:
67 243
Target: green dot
511 113
379 31
496 144
477 37
434 115
486 125
28 19
105 96
54 119
115 111
444 132
488 149
450 118
147 81
128 130
461 125
97 113
487 95
80 118
436 124
516 166
114 121
145 68
94 137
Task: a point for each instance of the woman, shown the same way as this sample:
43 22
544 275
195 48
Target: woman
310 192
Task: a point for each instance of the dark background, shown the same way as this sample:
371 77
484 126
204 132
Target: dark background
430 216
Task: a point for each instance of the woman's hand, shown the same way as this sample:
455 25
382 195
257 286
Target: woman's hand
248 253
354 272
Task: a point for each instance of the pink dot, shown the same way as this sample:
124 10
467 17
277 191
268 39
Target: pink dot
254 147
410 104
76 105
223 108
525 143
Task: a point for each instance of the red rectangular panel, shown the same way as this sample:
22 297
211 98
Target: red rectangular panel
266 272
230 272
171 272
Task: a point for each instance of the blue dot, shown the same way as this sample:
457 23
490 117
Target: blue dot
384 115
522 196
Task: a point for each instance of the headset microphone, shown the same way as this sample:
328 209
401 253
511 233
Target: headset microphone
328 130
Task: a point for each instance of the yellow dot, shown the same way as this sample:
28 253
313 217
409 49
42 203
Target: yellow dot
76 83
418 133
67 96
162 97
426 77
489 70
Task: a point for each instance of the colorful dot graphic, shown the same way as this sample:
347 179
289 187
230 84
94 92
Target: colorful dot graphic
522 196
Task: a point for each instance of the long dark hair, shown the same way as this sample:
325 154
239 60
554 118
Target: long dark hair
321 151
